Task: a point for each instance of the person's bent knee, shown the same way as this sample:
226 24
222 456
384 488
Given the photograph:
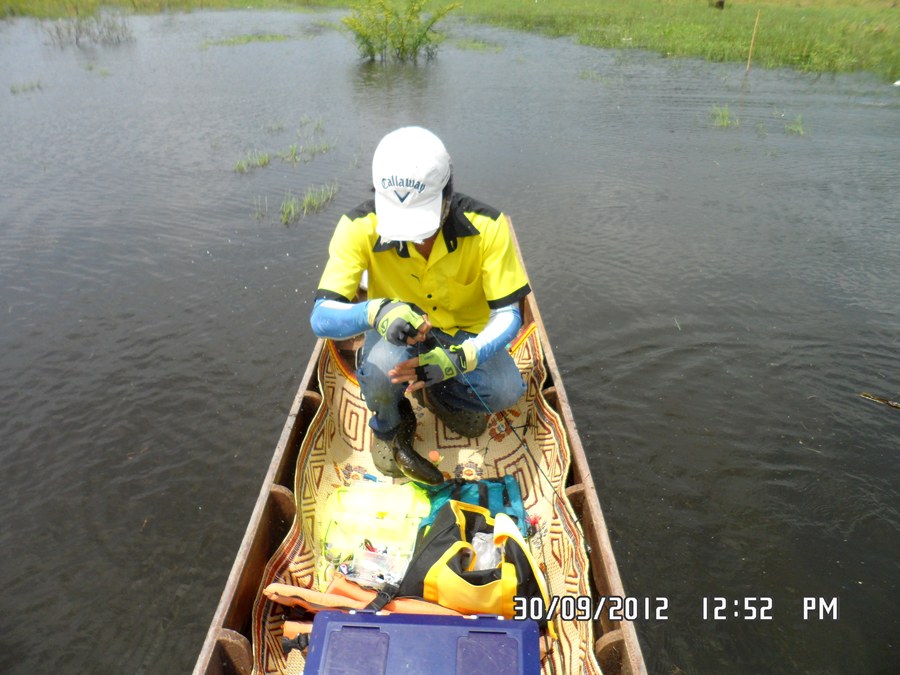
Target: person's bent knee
507 397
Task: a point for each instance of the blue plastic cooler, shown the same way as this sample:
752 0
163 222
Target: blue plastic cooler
363 643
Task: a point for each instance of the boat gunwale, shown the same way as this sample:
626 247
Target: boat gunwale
617 648
231 620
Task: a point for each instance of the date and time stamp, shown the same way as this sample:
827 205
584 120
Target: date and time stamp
709 608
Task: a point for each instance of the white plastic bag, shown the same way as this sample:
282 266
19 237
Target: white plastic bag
487 555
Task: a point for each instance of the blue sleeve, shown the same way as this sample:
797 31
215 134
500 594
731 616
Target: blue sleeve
338 320
501 328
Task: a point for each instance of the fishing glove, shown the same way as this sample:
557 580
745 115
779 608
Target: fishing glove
443 364
395 321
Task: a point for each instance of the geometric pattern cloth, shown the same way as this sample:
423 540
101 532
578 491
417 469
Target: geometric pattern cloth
527 441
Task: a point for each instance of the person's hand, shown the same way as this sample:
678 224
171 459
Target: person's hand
434 366
399 323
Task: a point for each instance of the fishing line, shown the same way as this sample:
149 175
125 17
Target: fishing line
522 442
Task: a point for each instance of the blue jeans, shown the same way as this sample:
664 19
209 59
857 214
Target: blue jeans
494 385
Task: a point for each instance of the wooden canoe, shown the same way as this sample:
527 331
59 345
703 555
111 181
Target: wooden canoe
325 443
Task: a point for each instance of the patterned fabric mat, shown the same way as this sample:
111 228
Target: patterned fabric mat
336 451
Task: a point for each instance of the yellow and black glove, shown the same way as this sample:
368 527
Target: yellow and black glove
441 364
395 321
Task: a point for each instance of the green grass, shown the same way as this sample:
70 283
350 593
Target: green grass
723 118
478 46
246 39
808 35
101 71
25 87
292 154
795 127
292 207
254 160
296 154
318 126
593 75
314 200
399 30
309 151
262 207
54 9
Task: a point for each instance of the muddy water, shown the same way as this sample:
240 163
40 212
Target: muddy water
717 299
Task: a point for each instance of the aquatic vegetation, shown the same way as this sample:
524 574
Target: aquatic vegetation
723 118
314 200
387 30
63 8
101 29
317 148
25 87
296 153
305 153
262 207
290 209
102 72
318 198
810 35
478 46
795 126
292 154
254 160
318 126
312 145
592 75
238 40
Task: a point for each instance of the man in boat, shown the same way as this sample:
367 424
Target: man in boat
444 284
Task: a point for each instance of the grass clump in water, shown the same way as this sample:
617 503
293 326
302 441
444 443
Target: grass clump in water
290 209
387 29
262 207
310 132
315 199
292 154
238 40
316 148
100 29
478 46
25 87
253 160
795 127
723 118
296 154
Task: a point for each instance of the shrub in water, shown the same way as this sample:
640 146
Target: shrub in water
385 29
101 29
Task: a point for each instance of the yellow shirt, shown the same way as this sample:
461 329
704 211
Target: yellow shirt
473 266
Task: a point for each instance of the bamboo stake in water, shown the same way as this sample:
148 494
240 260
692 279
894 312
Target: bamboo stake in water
752 41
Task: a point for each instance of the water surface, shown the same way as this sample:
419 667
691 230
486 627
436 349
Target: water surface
717 299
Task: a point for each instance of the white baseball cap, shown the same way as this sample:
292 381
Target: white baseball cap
410 168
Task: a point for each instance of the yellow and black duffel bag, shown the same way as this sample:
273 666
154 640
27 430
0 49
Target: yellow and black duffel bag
444 566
